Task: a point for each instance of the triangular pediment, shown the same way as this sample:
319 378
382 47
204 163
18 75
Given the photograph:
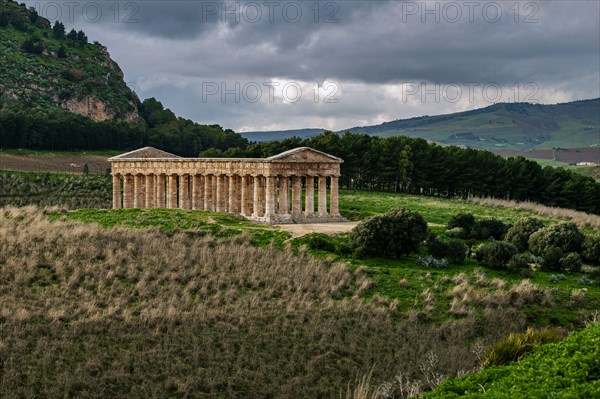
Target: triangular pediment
304 154
145 153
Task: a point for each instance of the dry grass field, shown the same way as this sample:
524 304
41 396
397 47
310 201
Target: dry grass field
90 312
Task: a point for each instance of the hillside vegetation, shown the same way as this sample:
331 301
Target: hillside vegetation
502 126
51 68
58 92
569 369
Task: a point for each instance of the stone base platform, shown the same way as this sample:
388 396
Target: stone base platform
289 219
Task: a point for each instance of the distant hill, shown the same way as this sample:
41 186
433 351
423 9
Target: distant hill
502 126
44 66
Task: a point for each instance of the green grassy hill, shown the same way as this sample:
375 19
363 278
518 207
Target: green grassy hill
503 126
569 369
50 68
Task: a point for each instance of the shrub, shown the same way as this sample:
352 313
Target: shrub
431 262
487 228
496 254
33 45
591 249
3 20
565 236
571 262
392 234
438 247
585 281
465 221
551 258
456 232
515 346
457 251
518 262
520 232
319 241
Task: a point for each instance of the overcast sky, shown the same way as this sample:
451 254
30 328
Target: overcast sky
268 65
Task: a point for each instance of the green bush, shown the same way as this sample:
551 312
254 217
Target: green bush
465 221
591 249
456 232
487 228
565 236
431 262
457 251
520 232
438 247
496 254
392 234
571 262
319 241
518 262
551 258
515 346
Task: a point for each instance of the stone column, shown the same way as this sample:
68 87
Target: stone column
208 193
160 191
150 191
270 196
128 191
246 193
184 192
172 191
116 191
138 191
197 193
220 193
258 193
226 190
284 195
334 209
322 196
234 194
310 196
296 195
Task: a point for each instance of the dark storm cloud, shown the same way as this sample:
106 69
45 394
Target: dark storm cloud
177 46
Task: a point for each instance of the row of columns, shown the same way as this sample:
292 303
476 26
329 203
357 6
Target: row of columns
251 196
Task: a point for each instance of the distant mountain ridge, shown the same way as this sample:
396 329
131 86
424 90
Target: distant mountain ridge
502 126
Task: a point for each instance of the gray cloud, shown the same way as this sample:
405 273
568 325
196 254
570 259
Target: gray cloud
368 46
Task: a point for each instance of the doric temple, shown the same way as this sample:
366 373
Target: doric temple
279 189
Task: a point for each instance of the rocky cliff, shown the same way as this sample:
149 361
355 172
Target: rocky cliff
45 66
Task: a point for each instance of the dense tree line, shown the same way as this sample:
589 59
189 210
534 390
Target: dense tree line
413 165
58 130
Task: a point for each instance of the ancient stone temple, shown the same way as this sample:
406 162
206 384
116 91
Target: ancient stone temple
296 186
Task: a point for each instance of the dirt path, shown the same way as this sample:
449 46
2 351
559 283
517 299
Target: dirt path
298 230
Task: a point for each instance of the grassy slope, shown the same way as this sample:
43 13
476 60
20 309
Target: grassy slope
37 79
414 288
569 369
507 126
